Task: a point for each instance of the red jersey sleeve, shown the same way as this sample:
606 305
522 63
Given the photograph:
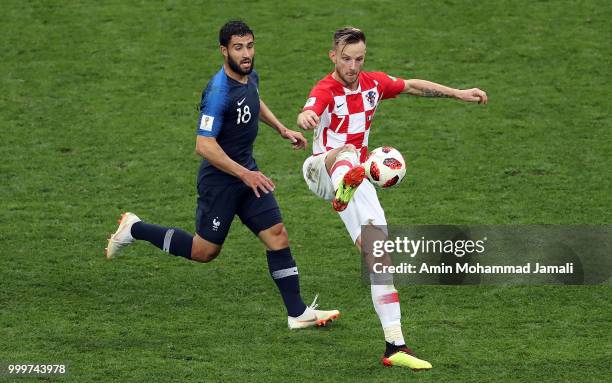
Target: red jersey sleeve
390 86
318 100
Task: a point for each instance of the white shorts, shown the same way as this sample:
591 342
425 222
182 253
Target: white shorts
363 209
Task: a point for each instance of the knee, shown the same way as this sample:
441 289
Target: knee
348 148
374 235
278 230
204 254
279 237
348 152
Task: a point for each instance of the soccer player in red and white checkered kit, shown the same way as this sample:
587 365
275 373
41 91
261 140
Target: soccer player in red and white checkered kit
340 109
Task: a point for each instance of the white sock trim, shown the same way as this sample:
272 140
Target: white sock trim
278 274
167 240
393 334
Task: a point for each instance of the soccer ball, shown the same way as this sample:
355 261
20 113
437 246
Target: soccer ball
385 167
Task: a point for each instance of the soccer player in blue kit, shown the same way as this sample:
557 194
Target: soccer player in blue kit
229 182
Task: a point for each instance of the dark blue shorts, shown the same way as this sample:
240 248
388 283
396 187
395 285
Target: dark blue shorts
217 206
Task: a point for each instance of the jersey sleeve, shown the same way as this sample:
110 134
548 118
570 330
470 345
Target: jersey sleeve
318 100
390 86
212 109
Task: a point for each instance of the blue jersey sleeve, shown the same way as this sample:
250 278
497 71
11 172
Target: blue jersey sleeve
212 107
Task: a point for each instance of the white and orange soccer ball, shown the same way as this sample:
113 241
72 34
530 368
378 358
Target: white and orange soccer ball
385 167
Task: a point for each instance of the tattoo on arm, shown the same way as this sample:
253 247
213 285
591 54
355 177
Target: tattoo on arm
433 93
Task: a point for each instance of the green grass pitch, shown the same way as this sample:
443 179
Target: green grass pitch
97 115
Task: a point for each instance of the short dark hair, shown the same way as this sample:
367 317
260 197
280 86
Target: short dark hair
348 35
233 28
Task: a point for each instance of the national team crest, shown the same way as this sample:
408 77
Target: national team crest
371 98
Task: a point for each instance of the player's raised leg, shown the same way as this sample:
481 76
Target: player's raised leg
284 271
171 240
386 303
346 174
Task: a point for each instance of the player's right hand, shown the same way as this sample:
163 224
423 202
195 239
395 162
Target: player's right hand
308 120
257 180
473 95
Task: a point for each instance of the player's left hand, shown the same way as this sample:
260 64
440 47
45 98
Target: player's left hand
298 141
473 95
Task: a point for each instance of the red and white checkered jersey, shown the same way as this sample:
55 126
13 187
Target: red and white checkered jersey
346 115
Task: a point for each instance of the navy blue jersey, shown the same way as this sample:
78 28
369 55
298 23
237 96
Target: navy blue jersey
229 111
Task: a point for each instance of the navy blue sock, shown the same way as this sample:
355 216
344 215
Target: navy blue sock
285 274
171 240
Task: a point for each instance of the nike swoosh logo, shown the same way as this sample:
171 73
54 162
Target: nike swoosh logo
339 106
241 101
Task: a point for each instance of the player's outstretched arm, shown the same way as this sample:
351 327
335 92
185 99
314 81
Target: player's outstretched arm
209 148
424 88
298 141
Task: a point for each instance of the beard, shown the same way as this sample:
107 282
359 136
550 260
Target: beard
235 66
346 79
